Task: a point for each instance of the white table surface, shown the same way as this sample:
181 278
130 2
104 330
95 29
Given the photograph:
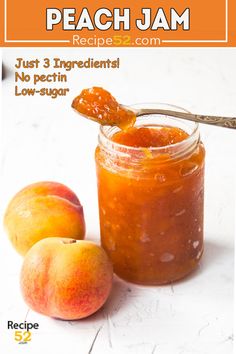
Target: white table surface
44 140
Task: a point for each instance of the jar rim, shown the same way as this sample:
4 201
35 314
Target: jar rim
105 139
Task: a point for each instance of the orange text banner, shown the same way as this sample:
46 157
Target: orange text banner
118 23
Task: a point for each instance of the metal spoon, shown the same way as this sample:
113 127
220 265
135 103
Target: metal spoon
225 122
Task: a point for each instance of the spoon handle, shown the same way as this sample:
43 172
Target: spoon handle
226 122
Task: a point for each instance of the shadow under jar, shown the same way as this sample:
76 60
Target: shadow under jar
151 203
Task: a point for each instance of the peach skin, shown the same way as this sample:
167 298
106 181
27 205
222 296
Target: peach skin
44 209
66 278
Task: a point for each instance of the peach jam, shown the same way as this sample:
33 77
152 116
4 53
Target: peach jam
99 105
150 192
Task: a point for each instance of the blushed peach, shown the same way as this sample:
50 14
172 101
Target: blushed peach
44 209
66 278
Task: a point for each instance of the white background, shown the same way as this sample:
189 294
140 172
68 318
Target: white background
43 139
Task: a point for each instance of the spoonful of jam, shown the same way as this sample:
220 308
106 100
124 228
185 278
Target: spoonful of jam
99 105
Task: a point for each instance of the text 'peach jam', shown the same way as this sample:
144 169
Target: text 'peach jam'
99 105
150 189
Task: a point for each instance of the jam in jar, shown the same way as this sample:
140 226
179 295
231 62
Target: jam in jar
151 191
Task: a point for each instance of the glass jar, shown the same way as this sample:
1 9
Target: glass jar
151 203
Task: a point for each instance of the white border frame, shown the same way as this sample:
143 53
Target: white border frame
162 40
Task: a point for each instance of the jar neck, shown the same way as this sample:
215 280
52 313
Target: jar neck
136 155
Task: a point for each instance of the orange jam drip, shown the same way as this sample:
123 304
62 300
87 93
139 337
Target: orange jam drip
99 105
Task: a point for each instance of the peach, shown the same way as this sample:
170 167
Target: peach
66 278
44 209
